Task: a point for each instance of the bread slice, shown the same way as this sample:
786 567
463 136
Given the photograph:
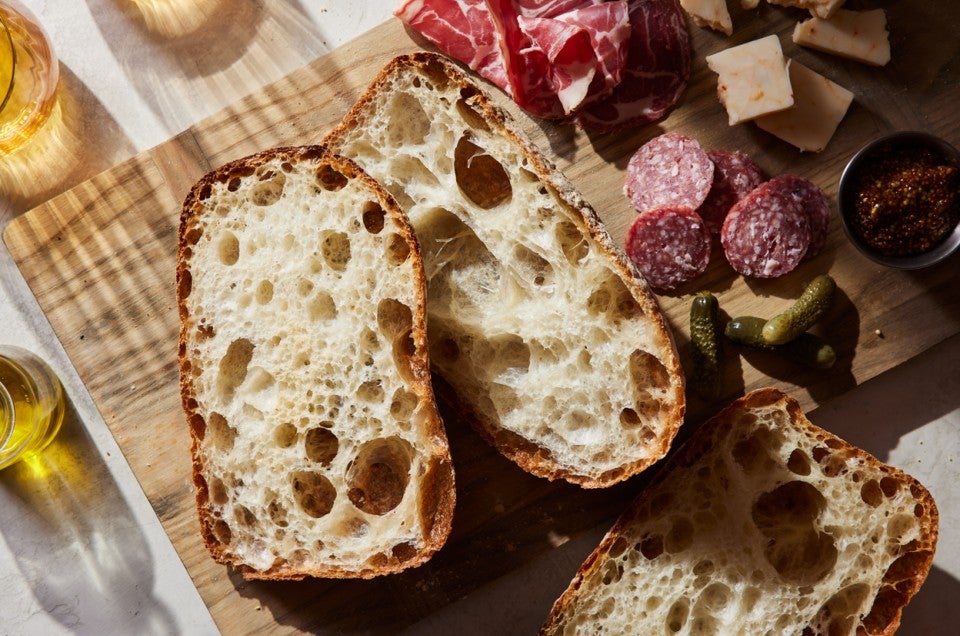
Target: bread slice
538 328
761 523
317 446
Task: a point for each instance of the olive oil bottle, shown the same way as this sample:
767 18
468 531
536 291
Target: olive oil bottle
31 405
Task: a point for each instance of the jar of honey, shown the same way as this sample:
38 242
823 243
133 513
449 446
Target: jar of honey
31 405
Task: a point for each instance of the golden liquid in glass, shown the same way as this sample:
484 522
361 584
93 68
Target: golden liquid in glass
31 405
28 77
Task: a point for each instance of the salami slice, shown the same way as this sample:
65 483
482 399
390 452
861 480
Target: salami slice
766 234
669 246
734 176
814 203
658 67
669 171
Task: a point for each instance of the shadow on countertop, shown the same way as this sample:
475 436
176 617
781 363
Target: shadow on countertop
77 543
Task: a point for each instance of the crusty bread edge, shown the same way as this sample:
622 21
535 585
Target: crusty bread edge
894 600
438 500
529 456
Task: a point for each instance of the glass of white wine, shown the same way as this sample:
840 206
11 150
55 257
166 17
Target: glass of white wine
31 405
28 76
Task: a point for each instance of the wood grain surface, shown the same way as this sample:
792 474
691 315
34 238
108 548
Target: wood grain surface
100 259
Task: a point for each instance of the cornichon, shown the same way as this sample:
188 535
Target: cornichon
803 314
807 349
705 338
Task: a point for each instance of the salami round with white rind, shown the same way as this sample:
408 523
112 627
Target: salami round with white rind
734 176
670 170
669 246
814 203
766 234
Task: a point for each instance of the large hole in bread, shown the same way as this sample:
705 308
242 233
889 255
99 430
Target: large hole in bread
403 404
463 274
378 476
397 249
335 247
752 452
370 391
842 611
330 179
796 549
313 492
264 292
572 242
394 317
482 179
677 615
268 189
409 124
322 307
320 445
228 248
285 435
373 217
646 371
219 432
511 357
233 367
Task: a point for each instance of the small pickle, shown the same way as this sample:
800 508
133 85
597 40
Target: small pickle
803 314
705 338
806 349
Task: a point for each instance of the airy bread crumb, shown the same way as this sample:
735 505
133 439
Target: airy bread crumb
317 446
761 523
537 326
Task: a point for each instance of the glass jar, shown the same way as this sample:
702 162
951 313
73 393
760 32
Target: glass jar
28 76
31 405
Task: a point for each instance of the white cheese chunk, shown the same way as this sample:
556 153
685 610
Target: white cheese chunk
709 13
752 79
858 35
818 107
819 8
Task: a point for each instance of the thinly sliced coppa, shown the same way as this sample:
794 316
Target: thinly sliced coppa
658 67
734 176
766 234
814 203
548 56
670 170
669 246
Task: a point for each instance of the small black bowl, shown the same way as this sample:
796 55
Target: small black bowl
846 196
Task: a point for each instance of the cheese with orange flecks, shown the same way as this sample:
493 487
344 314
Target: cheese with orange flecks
818 107
752 79
819 8
709 13
858 35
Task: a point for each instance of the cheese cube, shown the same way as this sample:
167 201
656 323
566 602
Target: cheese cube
818 107
858 35
819 8
752 79
709 13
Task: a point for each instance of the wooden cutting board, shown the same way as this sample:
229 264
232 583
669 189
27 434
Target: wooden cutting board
100 259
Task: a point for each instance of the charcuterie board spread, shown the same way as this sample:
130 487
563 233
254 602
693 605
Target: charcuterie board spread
101 260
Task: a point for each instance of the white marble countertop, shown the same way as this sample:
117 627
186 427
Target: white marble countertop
81 550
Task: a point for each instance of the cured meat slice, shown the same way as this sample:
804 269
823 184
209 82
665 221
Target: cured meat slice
734 176
766 234
813 202
463 30
527 67
669 246
658 67
548 55
669 170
